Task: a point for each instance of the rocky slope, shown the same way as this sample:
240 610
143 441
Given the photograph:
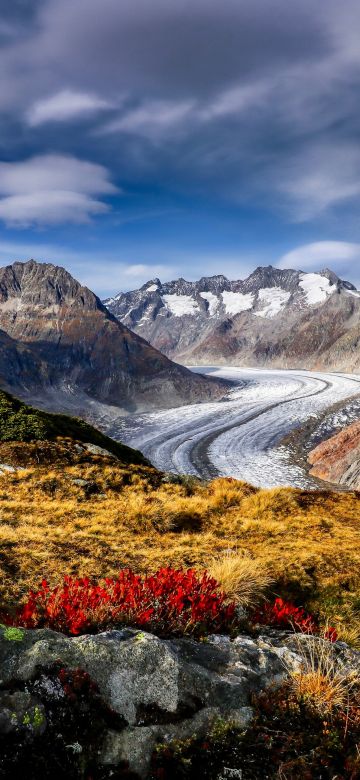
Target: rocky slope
148 691
337 459
61 348
279 318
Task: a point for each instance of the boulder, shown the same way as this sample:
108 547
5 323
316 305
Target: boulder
163 689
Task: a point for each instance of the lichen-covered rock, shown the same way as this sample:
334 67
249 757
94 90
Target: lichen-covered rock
160 689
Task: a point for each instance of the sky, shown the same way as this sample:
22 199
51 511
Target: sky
167 138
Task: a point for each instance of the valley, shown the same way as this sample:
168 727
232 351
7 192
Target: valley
239 436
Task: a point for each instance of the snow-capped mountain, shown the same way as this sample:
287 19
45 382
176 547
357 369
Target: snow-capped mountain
280 318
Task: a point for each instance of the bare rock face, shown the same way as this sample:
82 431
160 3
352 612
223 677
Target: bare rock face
337 460
278 318
157 690
61 348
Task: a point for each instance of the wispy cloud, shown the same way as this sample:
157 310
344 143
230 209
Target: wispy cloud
64 106
319 177
340 256
152 119
52 189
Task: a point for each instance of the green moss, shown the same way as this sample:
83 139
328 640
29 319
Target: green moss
20 422
13 634
35 719
38 718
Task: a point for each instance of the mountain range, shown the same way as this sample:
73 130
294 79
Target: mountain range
274 318
61 348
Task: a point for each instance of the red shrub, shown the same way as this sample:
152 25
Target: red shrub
168 602
283 614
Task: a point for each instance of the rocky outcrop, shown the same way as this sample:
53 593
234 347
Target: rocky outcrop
62 349
155 690
337 460
278 318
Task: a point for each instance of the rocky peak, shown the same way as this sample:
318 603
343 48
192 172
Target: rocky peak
43 284
151 283
334 279
76 348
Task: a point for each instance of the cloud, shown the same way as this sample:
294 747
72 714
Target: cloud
320 177
64 106
152 119
249 102
339 256
52 189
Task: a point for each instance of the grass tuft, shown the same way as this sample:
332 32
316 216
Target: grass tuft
242 578
320 683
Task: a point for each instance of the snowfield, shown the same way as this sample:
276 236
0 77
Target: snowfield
239 436
273 299
236 302
212 300
316 288
179 305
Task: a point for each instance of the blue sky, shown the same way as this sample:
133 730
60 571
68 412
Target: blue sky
164 138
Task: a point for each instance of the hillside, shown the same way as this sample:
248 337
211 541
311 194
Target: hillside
148 699
274 318
96 515
20 424
61 349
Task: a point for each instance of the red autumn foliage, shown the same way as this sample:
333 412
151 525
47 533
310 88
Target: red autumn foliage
283 614
168 602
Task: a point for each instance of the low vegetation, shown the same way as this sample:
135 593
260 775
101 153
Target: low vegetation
92 516
290 739
168 603
90 541
22 423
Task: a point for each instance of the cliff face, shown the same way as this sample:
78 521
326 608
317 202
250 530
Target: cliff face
278 318
58 339
337 460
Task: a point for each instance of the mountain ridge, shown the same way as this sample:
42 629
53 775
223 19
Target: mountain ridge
61 348
281 318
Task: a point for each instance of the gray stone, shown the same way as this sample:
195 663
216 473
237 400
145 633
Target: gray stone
164 688
6 468
94 449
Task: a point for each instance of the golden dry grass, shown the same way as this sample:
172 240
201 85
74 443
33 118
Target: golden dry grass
321 684
51 526
244 579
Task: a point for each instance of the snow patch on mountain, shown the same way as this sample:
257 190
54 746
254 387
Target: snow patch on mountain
274 299
179 305
152 288
212 300
316 287
236 302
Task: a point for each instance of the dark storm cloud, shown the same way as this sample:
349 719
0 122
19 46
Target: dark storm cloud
177 47
253 99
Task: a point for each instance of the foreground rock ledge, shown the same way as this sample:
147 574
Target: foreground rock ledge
164 689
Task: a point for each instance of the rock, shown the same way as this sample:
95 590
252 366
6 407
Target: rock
337 459
165 689
5 468
91 488
94 449
136 744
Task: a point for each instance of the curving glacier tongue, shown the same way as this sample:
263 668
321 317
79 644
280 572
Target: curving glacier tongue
240 437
